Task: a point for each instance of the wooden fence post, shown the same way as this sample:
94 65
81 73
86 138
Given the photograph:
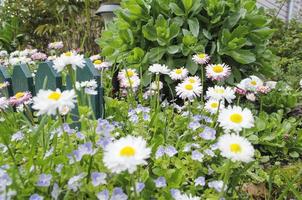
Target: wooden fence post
47 77
5 77
86 74
22 80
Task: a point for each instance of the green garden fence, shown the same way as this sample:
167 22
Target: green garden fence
47 78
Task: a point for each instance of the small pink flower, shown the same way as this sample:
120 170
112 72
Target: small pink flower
39 56
20 98
263 89
240 91
56 45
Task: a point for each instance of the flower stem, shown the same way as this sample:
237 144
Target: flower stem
226 178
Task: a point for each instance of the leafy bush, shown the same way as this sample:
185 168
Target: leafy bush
287 44
170 32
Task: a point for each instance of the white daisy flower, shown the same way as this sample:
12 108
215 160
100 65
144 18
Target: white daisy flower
69 58
126 154
236 148
95 57
251 83
193 80
212 105
132 82
250 96
218 72
3 103
127 73
179 74
89 87
156 86
220 93
185 197
188 90
235 118
271 84
99 64
159 69
128 78
48 101
201 58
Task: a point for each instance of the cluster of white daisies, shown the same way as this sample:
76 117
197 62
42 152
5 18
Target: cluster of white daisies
128 79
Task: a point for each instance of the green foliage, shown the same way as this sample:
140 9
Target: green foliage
170 32
10 34
283 97
287 44
45 21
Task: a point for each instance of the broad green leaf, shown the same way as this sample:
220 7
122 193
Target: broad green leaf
149 31
242 56
176 10
191 66
173 49
194 26
187 4
207 34
146 79
155 54
264 32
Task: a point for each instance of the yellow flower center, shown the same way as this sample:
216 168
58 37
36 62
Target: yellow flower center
202 55
127 151
68 53
19 95
192 80
235 148
2 85
214 105
219 91
130 73
236 118
218 69
97 62
253 82
54 96
178 71
189 87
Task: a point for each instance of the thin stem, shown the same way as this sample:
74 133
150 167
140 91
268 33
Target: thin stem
202 84
134 186
226 178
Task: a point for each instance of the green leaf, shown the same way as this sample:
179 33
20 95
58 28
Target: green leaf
234 18
174 30
191 66
127 36
194 26
155 54
176 10
294 154
242 56
149 31
207 34
146 79
187 4
257 20
173 49
264 32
